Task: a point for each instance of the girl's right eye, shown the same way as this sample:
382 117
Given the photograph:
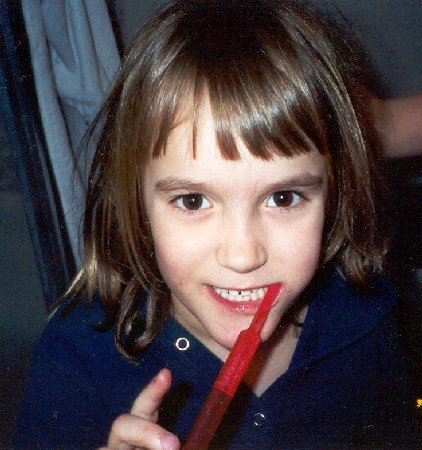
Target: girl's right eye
192 202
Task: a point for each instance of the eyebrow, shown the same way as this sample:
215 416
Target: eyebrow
173 184
305 180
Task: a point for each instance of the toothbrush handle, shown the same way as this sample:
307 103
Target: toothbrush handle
222 392
237 362
208 420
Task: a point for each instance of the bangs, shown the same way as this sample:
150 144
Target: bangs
263 90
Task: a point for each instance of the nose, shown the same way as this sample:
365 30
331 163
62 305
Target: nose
241 248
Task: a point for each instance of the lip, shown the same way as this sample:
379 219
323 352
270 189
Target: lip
247 307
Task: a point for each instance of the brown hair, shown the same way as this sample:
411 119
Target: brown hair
274 79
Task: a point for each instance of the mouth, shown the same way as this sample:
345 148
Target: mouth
234 295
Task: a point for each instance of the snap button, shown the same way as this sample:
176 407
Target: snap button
259 419
182 344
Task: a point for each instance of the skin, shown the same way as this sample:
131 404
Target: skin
399 125
230 224
139 428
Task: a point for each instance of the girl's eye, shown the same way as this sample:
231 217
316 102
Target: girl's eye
192 202
283 199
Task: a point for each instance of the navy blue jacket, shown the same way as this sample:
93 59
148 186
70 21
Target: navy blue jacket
346 385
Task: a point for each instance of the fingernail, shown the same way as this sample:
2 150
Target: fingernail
169 442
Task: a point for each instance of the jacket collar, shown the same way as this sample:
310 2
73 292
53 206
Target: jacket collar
339 315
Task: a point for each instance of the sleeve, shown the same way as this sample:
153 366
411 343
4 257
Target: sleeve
62 406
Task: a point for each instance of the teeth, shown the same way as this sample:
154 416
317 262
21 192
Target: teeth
251 295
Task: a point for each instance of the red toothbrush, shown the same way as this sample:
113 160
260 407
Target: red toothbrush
230 376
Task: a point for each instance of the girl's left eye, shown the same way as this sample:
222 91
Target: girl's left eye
283 199
192 202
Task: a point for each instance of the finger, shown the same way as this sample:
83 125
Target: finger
148 401
133 431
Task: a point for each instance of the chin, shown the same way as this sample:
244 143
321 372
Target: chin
226 339
221 343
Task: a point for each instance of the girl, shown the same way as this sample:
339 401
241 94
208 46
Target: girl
230 156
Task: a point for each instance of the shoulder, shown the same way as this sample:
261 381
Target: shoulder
78 327
349 344
71 341
77 339
340 299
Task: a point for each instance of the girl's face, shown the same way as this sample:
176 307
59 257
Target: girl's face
220 226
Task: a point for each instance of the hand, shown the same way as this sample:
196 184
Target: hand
139 429
399 125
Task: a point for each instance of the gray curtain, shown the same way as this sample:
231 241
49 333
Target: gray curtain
74 58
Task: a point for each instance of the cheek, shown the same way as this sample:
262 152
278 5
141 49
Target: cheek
168 255
300 247
173 272
310 243
178 255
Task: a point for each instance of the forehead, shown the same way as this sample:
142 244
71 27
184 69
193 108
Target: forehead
195 126
208 165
